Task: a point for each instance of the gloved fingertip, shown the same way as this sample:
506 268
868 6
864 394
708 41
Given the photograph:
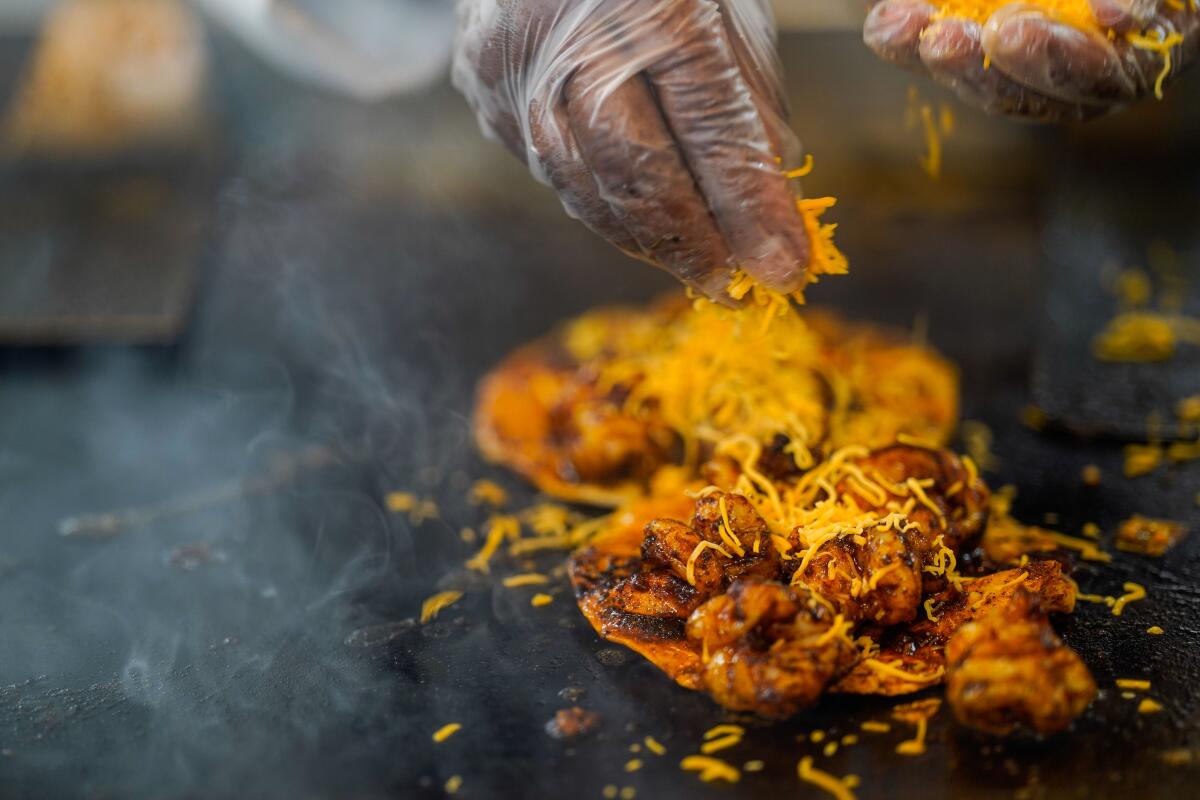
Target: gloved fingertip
715 287
780 264
893 29
1123 15
952 44
1055 57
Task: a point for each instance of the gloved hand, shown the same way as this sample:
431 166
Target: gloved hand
1040 67
660 123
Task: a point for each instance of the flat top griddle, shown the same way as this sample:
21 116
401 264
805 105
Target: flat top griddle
251 632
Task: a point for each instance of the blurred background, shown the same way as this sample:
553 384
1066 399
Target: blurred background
254 256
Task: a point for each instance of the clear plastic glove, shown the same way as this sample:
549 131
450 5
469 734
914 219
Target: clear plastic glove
660 123
1039 67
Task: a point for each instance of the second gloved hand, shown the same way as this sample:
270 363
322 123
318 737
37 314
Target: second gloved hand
660 123
1075 62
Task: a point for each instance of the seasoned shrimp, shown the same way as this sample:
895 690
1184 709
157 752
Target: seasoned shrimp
877 581
769 648
738 544
1009 669
953 501
600 443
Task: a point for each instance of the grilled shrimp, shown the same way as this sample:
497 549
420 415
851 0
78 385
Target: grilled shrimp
1009 669
769 648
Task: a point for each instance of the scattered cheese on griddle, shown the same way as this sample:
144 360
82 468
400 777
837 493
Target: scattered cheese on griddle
720 743
633 765
453 784
628 793
711 769
525 579
1148 537
823 780
1142 459
419 510
830 749
654 746
541 599
754 765
1137 684
1148 706
434 604
446 731
873 726
499 528
1133 593
1033 417
486 492
609 792
1091 475
849 739
1154 630
916 745
916 713
817 736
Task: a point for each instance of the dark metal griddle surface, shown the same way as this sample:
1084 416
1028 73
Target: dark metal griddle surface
263 642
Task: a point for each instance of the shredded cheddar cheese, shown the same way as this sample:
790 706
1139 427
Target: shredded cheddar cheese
499 528
725 729
490 493
892 671
700 548
711 769
525 579
654 746
1148 706
1133 593
436 603
823 780
446 731
541 599
916 745
721 743
1134 684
